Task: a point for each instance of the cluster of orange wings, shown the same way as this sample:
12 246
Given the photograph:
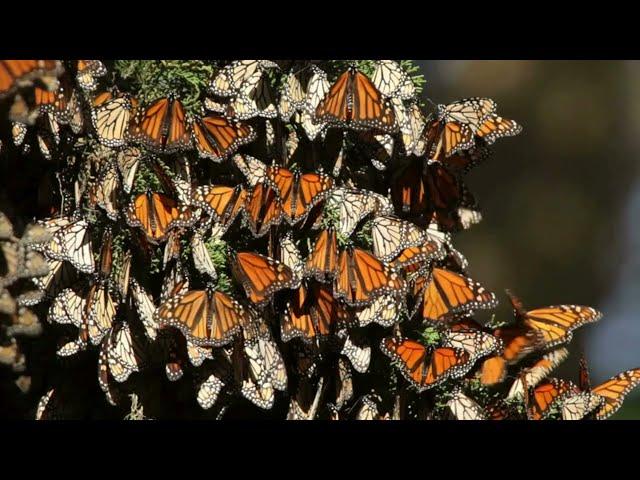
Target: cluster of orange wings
320 271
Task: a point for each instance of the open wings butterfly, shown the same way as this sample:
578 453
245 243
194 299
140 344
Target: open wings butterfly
354 102
426 367
205 317
260 276
156 214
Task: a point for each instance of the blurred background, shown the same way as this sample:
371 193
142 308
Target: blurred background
561 200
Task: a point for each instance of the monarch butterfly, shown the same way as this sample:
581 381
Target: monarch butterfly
354 205
161 126
222 203
413 259
128 160
123 353
62 106
156 214
464 408
67 307
475 342
254 100
312 130
201 259
87 73
146 309
354 102
123 275
216 136
411 129
197 354
455 125
298 193
312 312
614 392
103 375
392 235
494 127
99 312
260 276
392 81
262 209
239 76
17 73
361 277
424 367
290 256
205 317
293 95
445 294
71 242
343 383
322 261
538 371
555 323
358 355
46 409
104 192
260 370
548 395
111 115
253 169
209 391
369 409
60 275
384 310
176 282
300 91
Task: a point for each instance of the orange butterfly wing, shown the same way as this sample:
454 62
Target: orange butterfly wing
326 311
614 391
448 293
369 109
494 127
410 355
557 323
156 214
353 101
228 318
283 181
189 313
546 395
13 71
216 136
333 107
178 135
221 202
262 209
444 363
260 276
322 261
297 321
362 277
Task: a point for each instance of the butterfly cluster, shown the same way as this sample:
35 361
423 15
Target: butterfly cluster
287 242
